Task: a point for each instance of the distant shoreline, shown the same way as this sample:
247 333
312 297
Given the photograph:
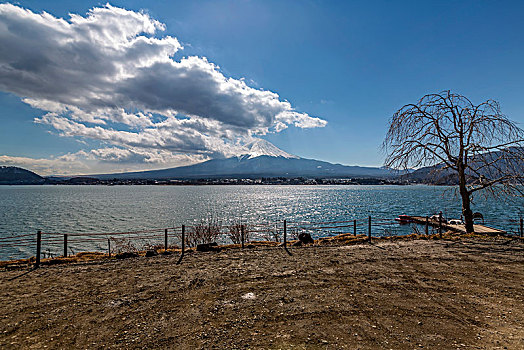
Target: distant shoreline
221 181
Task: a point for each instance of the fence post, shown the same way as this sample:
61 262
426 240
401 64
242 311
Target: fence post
285 237
369 229
440 224
38 248
242 237
521 228
183 244
65 246
165 240
109 247
354 227
427 225
285 234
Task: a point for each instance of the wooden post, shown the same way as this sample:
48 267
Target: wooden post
440 224
427 225
183 244
285 233
183 238
285 237
109 247
38 248
369 229
165 240
521 228
65 246
354 227
242 237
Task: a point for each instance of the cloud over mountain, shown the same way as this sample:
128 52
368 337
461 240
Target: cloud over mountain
109 77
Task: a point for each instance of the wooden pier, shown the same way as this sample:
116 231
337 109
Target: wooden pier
482 229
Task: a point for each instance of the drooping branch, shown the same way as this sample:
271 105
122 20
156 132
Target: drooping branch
476 145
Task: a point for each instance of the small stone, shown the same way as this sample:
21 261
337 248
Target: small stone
249 296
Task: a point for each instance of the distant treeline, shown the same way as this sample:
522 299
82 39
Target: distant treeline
225 181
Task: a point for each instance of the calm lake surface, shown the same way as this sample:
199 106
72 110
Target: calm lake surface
70 209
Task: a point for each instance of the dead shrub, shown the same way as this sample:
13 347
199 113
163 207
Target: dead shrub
416 229
234 232
123 245
203 232
272 235
294 232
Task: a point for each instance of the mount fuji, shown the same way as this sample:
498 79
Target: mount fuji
260 147
260 159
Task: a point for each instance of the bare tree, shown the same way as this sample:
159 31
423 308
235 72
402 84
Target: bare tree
475 144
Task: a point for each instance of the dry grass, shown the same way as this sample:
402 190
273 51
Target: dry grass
205 232
408 294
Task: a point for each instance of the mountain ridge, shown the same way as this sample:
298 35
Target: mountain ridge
260 159
11 175
500 164
255 167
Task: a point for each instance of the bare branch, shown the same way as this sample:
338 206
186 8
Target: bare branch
447 131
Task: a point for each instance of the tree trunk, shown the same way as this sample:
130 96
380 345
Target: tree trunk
466 201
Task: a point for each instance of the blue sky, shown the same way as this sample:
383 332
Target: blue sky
344 66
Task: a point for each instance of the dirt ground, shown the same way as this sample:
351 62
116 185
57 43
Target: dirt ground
466 294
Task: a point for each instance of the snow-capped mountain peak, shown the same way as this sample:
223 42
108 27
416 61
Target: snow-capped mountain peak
260 147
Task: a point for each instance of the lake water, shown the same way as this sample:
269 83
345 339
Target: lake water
88 209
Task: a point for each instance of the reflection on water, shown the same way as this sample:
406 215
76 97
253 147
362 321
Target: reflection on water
26 209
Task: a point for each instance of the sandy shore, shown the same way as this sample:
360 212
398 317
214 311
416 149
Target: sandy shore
466 294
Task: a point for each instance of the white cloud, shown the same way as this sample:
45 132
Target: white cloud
102 160
107 77
43 166
154 158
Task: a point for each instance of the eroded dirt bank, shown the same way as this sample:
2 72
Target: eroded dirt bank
392 295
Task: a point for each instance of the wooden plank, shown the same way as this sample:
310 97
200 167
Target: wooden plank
460 228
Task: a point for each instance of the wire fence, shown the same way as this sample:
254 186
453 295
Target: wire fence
55 244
